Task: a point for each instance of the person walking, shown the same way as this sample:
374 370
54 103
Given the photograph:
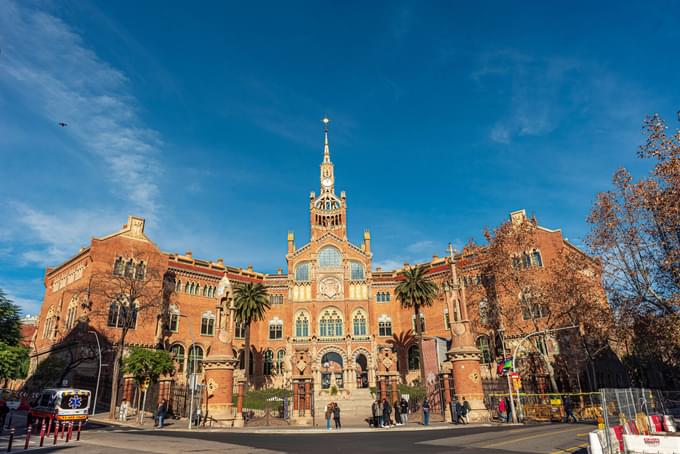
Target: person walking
569 410
374 414
161 412
379 413
460 417
336 415
501 410
329 415
508 409
426 412
387 411
403 407
397 415
466 410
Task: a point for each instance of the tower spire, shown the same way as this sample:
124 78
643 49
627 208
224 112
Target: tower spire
326 149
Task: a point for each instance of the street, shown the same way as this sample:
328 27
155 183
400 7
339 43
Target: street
546 438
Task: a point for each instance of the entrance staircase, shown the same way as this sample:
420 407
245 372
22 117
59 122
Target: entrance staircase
355 408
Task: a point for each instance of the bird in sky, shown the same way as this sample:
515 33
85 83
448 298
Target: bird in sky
62 124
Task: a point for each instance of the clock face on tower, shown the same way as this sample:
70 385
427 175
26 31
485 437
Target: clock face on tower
326 182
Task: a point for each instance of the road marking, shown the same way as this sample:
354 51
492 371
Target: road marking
529 437
572 449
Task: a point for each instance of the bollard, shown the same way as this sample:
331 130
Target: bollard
29 430
63 429
49 425
80 424
11 439
70 431
56 432
42 433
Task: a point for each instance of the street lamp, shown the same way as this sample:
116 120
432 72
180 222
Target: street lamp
192 376
512 402
99 374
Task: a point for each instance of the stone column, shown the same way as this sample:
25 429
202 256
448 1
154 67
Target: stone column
383 387
447 398
219 377
128 389
308 396
296 396
395 389
238 417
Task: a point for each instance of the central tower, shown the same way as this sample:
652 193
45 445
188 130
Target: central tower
328 212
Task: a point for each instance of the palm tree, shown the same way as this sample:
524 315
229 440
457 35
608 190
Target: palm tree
250 303
416 291
400 344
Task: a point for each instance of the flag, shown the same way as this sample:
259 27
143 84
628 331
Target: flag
504 366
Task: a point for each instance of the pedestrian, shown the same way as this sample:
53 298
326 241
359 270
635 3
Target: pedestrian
387 411
501 410
466 410
460 416
160 413
426 412
4 409
336 415
508 409
123 411
397 415
569 410
379 413
329 415
403 411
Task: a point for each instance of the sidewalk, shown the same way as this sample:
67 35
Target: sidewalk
181 425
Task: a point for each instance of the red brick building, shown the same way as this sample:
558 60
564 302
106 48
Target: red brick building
328 299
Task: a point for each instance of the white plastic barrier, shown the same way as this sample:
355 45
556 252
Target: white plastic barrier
651 444
596 445
669 423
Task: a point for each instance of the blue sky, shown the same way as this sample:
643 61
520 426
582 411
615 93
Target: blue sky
204 118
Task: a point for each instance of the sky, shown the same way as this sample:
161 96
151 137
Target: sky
204 118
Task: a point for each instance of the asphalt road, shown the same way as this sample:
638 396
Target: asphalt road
546 439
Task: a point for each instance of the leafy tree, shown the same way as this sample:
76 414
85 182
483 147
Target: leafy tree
10 324
635 233
13 362
250 304
400 344
416 291
147 364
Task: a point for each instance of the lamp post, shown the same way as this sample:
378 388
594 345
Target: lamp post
192 376
507 375
99 373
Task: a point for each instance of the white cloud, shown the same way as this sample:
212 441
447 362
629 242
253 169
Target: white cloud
420 246
48 65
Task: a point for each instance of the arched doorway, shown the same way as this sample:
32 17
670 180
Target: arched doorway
362 371
331 364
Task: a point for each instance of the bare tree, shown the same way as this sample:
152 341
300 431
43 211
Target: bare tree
132 293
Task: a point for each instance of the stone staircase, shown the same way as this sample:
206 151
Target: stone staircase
354 408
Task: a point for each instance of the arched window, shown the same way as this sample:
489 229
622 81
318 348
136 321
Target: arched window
378 297
177 354
422 322
141 271
359 323
536 259
484 312
240 330
187 287
268 362
173 323
302 325
483 344
302 272
129 268
384 326
113 314
178 286
413 357
276 328
72 313
122 314
356 271
49 324
118 266
205 290
447 319
195 359
330 324
280 355
208 324
329 257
